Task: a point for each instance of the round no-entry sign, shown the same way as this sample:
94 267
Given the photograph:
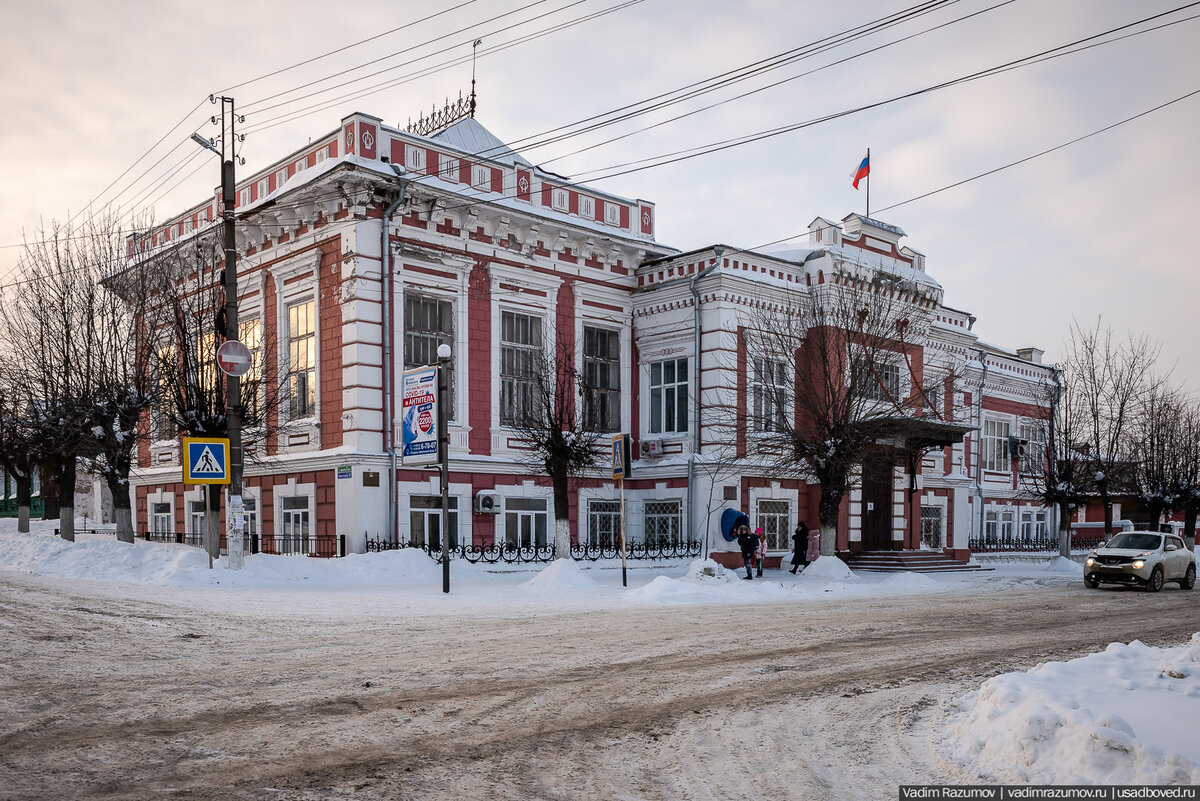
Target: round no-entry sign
233 358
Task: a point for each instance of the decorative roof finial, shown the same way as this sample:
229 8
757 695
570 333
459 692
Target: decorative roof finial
474 48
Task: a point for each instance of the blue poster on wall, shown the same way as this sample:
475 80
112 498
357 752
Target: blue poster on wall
418 417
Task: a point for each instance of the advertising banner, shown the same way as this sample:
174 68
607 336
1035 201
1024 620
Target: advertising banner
418 415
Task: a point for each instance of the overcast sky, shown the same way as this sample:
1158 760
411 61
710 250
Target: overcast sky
1102 227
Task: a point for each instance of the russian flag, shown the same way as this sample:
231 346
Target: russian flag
864 169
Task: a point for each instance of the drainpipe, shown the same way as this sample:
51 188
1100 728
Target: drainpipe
718 252
385 266
979 440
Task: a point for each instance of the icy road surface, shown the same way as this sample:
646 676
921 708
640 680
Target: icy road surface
111 690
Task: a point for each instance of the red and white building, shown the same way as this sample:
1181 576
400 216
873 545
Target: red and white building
362 252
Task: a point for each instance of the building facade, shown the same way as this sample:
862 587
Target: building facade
364 251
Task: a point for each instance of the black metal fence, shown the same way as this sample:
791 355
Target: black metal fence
515 554
1046 543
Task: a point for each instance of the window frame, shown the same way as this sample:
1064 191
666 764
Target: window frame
430 338
664 394
602 400
310 406
518 368
765 377
994 444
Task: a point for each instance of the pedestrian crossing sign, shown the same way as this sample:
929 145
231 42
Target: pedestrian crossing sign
205 460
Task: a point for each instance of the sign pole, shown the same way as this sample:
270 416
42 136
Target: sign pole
208 526
624 577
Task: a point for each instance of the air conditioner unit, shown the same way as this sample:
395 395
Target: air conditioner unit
1018 447
652 448
488 502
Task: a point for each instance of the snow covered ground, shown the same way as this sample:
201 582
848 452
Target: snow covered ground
1128 714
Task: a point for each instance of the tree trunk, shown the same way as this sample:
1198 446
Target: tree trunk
50 491
562 516
24 500
1189 526
1102 489
1064 530
828 511
122 513
66 500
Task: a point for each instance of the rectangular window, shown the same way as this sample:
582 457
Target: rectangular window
196 517
991 527
250 516
447 168
206 374
302 360
772 400
663 524
995 446
931 527
525 523
321 154
481 177
602 380
302 164
587 207
425 522
295 534
612 213
162 416
414 158
521 361
281 177
772 516
264 188
604 524
669 396
244 197
250 335
879 381
1033 444
160 518
428 323
559 199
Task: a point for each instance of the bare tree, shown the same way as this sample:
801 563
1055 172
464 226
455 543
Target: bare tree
18 450
1186 491
1111 379
1059 474
49 324
843 357
184 327
556 412
1155 450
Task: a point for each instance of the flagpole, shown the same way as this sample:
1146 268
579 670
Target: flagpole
868 183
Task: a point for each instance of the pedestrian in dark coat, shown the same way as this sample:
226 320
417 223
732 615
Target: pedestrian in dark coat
800 546
748 542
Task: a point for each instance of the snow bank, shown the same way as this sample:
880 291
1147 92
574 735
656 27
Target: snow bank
1124 716
1065 567
828 568
562 574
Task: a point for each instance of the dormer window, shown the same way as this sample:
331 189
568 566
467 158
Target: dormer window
414 158
481 177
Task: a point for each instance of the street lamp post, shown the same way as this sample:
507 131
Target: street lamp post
443 354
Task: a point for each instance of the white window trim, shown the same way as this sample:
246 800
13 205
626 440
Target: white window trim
289 295
481 177
612 213
587 207
448 168
776 493
646 365
414 158
159 496
291 489
560 199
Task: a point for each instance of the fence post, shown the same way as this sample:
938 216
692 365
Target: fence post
341 544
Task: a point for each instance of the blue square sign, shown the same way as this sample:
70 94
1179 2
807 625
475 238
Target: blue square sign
205 460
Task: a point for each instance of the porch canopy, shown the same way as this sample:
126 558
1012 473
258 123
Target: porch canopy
915 434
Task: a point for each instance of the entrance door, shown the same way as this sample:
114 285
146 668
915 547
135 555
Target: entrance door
877 506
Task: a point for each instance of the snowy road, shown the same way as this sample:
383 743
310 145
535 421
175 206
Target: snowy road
119 691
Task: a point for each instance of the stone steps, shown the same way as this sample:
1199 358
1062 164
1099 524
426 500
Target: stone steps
907 562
